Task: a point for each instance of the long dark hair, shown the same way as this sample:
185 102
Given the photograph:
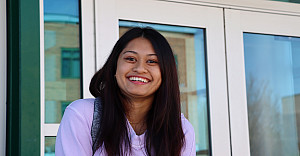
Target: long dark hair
164 135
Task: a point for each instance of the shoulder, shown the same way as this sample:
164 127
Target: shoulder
82 104
74 131
82 108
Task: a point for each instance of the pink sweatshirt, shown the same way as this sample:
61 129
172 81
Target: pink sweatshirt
74 134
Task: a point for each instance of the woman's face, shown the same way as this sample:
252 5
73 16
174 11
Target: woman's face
138 73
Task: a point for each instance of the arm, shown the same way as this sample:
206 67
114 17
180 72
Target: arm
73 138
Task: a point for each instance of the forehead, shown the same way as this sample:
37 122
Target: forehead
140 45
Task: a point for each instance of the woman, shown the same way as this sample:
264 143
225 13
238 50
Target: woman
140 104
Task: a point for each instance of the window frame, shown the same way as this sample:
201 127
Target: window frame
270 6
88 65
237 22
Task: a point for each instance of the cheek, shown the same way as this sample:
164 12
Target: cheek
158 77
118 75
121 71
158 84
120 68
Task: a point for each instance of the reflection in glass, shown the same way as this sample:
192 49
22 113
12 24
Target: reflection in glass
50 146
273 94
290 1
188 46
62 56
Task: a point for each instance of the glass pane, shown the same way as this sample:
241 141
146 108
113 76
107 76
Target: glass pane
273 93
62 56
75 68
291 1
66 67
70 63
50 146
188 46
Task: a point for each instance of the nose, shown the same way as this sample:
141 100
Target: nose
140 67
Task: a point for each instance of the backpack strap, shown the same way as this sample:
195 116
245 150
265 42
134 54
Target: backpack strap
96 122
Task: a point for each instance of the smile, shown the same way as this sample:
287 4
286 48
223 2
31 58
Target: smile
138 79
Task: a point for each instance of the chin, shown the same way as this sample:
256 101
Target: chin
139 95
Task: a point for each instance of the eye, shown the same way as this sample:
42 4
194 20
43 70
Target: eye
130 59
152 61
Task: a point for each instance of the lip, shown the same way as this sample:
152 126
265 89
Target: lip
138 82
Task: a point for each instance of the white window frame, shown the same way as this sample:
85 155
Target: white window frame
3 67
88 62
237 22
142 11
278 7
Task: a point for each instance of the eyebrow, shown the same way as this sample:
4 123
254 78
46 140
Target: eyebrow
134 52
129 51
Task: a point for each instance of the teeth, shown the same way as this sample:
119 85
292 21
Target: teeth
138 79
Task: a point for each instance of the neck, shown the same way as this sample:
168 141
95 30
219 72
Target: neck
136 113
137 110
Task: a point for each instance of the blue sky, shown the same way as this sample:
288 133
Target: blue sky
65 7
274 60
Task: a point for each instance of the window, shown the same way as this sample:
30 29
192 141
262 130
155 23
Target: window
70 66
50 146
273 93
188 45
62 65
290 1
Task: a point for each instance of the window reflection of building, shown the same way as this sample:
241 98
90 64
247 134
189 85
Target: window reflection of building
70 67
50 146
273 99
297 110
291 121
62 67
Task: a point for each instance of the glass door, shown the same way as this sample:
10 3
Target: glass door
201 64
62 63
67 61
263 53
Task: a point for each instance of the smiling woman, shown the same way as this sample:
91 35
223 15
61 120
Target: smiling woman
139 110
138 76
